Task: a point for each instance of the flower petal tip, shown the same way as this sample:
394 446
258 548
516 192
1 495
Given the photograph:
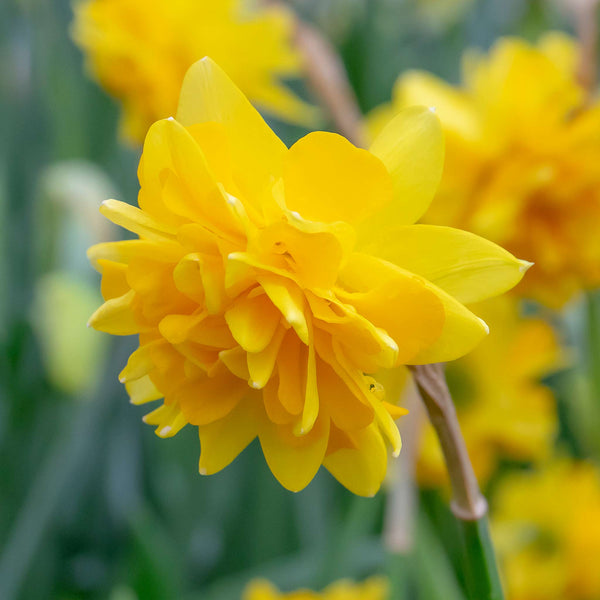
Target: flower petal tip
485 326
165 431
525 265
202 470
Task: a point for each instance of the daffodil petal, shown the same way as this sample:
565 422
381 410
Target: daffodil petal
328 179
142 390
253 321
223 440
363 469
168 420
136 220
209 95
462 331
116 316
411 146
294 460
209 399
466 266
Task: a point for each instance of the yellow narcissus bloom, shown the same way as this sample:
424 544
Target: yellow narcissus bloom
140 50
503 408
373 589
269 285
547 528
522 155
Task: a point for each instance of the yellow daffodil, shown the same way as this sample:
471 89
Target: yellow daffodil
269 285
373 589
503 409
140 50
522 155
547 528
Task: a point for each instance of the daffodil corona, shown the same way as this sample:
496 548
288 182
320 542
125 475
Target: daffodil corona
139 50
373 589
270 286
523 148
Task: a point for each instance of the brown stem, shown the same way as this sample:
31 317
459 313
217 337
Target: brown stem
585 13
326 74
468 503
328 78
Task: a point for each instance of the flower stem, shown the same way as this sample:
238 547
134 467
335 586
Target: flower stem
468 504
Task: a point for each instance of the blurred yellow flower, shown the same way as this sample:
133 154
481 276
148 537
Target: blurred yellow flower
268 285
503 409
140 51
373 589
523 148
547 528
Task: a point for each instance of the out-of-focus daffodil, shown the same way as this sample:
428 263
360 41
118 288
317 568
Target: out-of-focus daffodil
503 408
547 529
373 589
522 155
269 285
140 51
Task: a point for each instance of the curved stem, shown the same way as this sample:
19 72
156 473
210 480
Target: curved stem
468 504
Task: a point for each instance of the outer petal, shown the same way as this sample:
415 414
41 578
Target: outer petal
411 146
294 460
327 179
136 220
223 440
460 329
116 316
208 95
466 266
361 470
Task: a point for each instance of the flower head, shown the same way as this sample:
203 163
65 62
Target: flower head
140 52
523 145
373 589
547 528
503 408
269 286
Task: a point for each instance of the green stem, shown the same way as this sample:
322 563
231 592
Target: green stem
468 504
483 580
593 318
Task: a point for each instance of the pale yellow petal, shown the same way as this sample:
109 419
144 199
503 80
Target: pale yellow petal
208 95
411 146
466 266
328 179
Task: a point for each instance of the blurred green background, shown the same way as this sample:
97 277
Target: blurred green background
92 504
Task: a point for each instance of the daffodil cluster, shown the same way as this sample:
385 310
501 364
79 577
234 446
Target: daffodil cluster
523 147
270 287
140 50
547 529
372 589
503 408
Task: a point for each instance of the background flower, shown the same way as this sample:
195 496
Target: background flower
521 158
547 526
140 51
372 589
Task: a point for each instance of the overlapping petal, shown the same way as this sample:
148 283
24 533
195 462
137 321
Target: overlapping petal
257 316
